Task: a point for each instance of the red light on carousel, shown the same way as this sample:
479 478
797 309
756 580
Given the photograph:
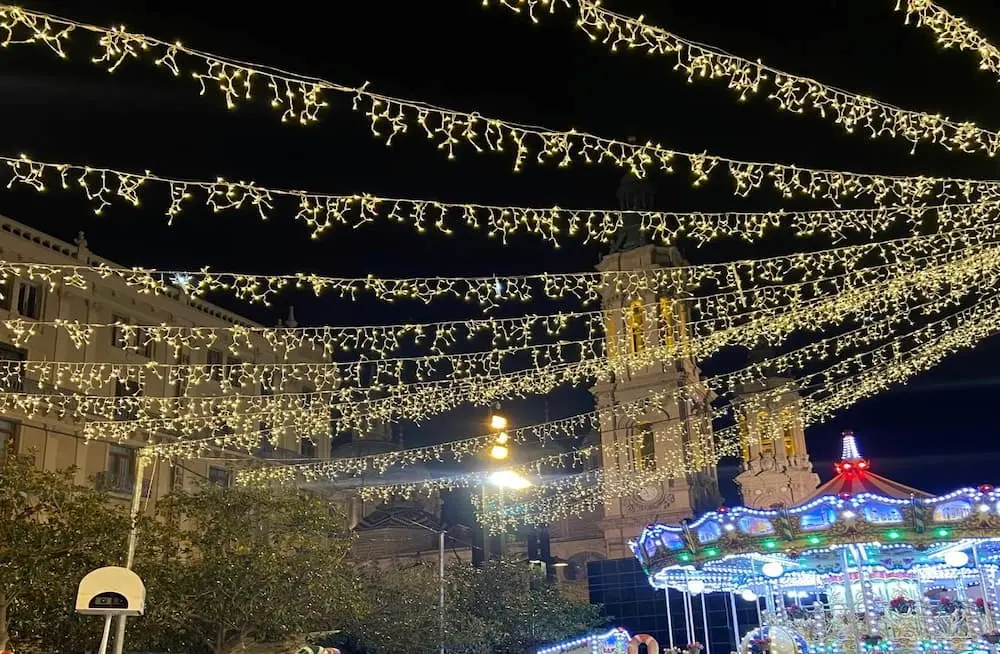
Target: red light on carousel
985 488
862 465
844 496
722 509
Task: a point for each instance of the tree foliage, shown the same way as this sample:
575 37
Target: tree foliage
245 564
54 533
497 609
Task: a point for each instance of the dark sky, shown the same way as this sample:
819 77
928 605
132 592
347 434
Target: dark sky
936 433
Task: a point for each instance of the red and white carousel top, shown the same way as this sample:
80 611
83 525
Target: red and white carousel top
854 476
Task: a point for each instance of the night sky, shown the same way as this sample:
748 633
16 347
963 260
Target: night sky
937 433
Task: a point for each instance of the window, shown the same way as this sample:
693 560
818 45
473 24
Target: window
146 343
121 467
218 476
120 333
182 375
636 323
8 438
29 300
667 317
764 433
213 358
611 335
307 448
645 448
7 289
11 374
127 410
235 371
788 432
744 438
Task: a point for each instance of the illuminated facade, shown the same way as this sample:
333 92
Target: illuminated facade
776 468
58 443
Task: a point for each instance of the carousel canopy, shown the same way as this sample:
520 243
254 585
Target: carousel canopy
854 477
878 522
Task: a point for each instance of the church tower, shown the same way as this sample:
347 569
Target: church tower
776 466
645 447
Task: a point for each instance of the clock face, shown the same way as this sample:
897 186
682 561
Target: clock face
649 494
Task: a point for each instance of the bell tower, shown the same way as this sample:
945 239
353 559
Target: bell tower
647 332
776 466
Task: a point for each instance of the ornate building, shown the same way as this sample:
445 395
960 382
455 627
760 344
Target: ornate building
776 468
56 441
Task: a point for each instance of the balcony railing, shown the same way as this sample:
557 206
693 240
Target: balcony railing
113 482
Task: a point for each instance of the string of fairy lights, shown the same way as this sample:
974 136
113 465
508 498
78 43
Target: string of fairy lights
951 257
892 358
187 415
301 98
784 278
792 93
321 212
582 493
951 31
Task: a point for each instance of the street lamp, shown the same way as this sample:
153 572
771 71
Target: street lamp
509 479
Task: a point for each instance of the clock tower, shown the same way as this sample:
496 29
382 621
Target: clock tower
643 447
776 468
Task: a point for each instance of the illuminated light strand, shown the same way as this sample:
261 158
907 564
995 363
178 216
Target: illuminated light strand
419 402
588 491
300 98
793 93
89 376
430 399
951 31
740 277
879 359
572 426
84 376
322 212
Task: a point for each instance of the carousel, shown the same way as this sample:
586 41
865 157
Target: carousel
864 564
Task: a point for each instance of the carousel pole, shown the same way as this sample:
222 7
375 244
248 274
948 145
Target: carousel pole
736 621
704 625
849 599
670 620
984 587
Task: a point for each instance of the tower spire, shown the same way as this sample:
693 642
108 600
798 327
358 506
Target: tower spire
851 461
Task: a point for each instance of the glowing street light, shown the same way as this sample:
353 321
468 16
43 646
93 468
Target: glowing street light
509 479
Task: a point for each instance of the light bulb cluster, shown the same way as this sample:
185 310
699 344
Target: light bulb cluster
775 281
356 409
322 212
301 98
951 31
792 93
586 492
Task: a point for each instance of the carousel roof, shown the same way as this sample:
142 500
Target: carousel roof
887 524
854 477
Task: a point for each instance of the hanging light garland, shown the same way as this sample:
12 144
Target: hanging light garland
793 93
734 279
951 31
301 99
641 409
586 492
354 409
102 186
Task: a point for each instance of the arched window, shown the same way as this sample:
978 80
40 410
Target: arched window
645 448
764 433
611 335
788 432
667 318
745 437
636 323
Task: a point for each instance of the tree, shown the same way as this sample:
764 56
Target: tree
54 533
497 609
246 564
